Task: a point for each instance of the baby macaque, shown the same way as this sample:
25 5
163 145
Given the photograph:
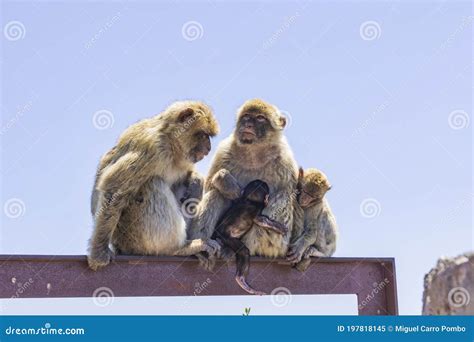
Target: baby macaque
237 221
319 227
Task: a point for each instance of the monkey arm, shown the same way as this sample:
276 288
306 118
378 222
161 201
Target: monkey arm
210 209
326 238
226 184
196 246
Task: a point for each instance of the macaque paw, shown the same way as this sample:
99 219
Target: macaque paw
295 254
99 259
313 252
212 247
226 184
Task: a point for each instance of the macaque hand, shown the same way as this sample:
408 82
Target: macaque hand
99 258
226 184
267 223
212 247
295 253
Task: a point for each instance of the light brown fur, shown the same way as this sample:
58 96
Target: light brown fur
133 202
236 164
317 224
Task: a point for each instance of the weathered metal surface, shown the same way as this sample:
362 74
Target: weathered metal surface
371 279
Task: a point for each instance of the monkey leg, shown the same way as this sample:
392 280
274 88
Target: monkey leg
312 251
242 255
267 223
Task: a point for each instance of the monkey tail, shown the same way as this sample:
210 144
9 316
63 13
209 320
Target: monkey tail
246 287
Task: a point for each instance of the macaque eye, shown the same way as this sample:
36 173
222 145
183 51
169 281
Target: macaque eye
261 118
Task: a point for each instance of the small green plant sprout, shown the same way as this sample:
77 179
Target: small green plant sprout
246 311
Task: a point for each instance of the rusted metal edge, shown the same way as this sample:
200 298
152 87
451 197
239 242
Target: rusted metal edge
61 276
150 258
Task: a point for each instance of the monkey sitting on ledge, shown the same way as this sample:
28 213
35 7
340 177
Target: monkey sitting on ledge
238 220
320 229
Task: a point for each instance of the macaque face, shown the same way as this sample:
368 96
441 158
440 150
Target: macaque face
201 146
311 195
252 127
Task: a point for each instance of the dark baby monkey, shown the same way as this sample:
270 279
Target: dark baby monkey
237 221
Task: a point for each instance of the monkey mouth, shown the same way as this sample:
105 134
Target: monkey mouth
248 131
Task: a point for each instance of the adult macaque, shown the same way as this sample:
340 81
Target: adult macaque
257 149
134 200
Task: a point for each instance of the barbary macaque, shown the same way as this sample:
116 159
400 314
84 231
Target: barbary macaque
257 149
135 207
319 233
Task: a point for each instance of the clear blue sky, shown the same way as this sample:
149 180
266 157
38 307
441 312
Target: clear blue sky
370 107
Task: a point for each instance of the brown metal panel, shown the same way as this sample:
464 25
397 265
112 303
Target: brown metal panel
128 276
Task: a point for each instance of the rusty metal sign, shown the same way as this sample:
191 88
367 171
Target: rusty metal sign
371 279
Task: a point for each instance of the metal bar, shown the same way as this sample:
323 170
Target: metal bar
46 276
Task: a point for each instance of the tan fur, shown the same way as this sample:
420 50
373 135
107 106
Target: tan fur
319 229
133 202
269 160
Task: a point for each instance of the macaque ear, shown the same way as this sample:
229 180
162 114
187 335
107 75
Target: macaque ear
300 174
330 187
282 121
185 115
